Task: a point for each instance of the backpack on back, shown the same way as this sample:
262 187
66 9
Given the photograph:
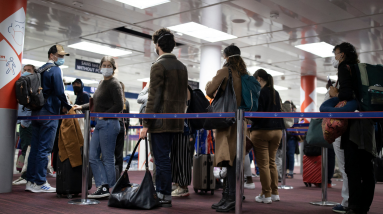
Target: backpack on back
29 92
370 86
250 93
198 104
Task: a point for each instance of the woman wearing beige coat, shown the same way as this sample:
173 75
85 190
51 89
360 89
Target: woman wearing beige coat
226 139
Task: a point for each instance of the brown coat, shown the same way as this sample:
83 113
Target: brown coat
167 94
70 141
226 139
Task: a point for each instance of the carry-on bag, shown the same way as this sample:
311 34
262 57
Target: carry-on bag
69 180
312 170
315 135
131 196
203 175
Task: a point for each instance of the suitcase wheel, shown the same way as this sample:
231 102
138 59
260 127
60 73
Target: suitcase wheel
196 190
212 192
306 184
58 195
69 196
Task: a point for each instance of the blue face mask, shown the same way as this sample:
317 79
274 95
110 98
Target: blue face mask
26 74
60 61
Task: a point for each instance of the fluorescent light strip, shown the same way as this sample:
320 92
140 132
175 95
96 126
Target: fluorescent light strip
321 49
38 63
273 73
142 4
100 49
85 81
280 88
321 90
335 77
201 32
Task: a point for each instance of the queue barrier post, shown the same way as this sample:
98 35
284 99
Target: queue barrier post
85 165
284 156
239 162
324 201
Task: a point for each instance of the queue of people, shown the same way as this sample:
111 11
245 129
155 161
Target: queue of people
168 92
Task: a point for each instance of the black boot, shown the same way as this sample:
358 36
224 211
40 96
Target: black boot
229 204
224 196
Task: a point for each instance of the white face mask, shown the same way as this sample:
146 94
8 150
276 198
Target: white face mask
107 72
224 62
334 62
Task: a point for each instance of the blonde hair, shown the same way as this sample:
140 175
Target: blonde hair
111 60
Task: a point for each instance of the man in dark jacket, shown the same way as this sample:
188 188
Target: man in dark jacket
82 96
44 131
167 94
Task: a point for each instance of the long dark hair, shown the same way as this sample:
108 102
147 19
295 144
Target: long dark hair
269 80
351 57
235 63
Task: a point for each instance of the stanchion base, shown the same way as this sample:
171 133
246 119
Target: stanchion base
83 202
324 203
341 180
285 187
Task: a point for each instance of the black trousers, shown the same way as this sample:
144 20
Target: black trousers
361 179
119 150
231 178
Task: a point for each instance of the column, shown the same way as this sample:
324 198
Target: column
211 54
308 93
12 29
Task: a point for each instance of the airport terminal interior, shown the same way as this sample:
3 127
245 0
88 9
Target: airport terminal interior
292 40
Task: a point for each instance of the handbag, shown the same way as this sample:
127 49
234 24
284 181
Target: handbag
249 145
286 107
225 101
315 135
334 128
131 196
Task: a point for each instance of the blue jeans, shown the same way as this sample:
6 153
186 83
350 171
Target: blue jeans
43 137
329 106
162 144
104 142
290 161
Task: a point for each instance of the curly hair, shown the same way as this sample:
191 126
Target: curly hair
165 40
351 56
236 63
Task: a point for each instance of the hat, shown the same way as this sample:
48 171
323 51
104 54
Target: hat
57 49
77 80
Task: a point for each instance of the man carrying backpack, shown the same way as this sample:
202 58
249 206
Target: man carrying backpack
44 131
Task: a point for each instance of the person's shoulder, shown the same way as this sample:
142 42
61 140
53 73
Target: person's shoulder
224 70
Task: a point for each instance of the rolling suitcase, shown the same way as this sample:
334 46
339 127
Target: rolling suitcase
69 180
203 177
312 170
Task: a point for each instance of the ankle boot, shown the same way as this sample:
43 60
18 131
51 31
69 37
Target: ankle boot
229 204
224 196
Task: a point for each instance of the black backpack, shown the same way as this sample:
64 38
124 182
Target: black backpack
198 104
29 92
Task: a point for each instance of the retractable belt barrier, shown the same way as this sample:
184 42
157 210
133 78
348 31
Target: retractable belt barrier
239 115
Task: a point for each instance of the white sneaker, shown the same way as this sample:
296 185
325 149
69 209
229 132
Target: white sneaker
180 192
52 175
174 187
19 181
249 186
43 188
29 186
275 197
262 199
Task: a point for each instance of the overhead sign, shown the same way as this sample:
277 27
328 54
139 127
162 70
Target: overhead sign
87 66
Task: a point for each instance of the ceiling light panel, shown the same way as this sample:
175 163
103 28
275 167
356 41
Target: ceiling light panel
100 49
201 32
321 90
142 4
37 63
273 73
321 49
280 88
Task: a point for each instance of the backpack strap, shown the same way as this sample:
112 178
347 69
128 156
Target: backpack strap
43 69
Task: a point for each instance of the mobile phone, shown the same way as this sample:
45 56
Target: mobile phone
329 81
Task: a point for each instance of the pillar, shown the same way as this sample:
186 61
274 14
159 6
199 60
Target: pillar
211 54
12 29
308 93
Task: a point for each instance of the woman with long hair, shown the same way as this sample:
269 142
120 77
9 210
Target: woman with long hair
266 134
107 99
226 139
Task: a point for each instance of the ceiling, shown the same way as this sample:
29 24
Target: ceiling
264 39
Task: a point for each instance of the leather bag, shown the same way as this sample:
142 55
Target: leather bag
132 196
225 101
315 135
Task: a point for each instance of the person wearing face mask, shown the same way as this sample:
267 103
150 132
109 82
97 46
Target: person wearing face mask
82 97
108 98
44 131
358 153
266 134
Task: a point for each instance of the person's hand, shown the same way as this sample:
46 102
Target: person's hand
77 107
333 91
143 133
